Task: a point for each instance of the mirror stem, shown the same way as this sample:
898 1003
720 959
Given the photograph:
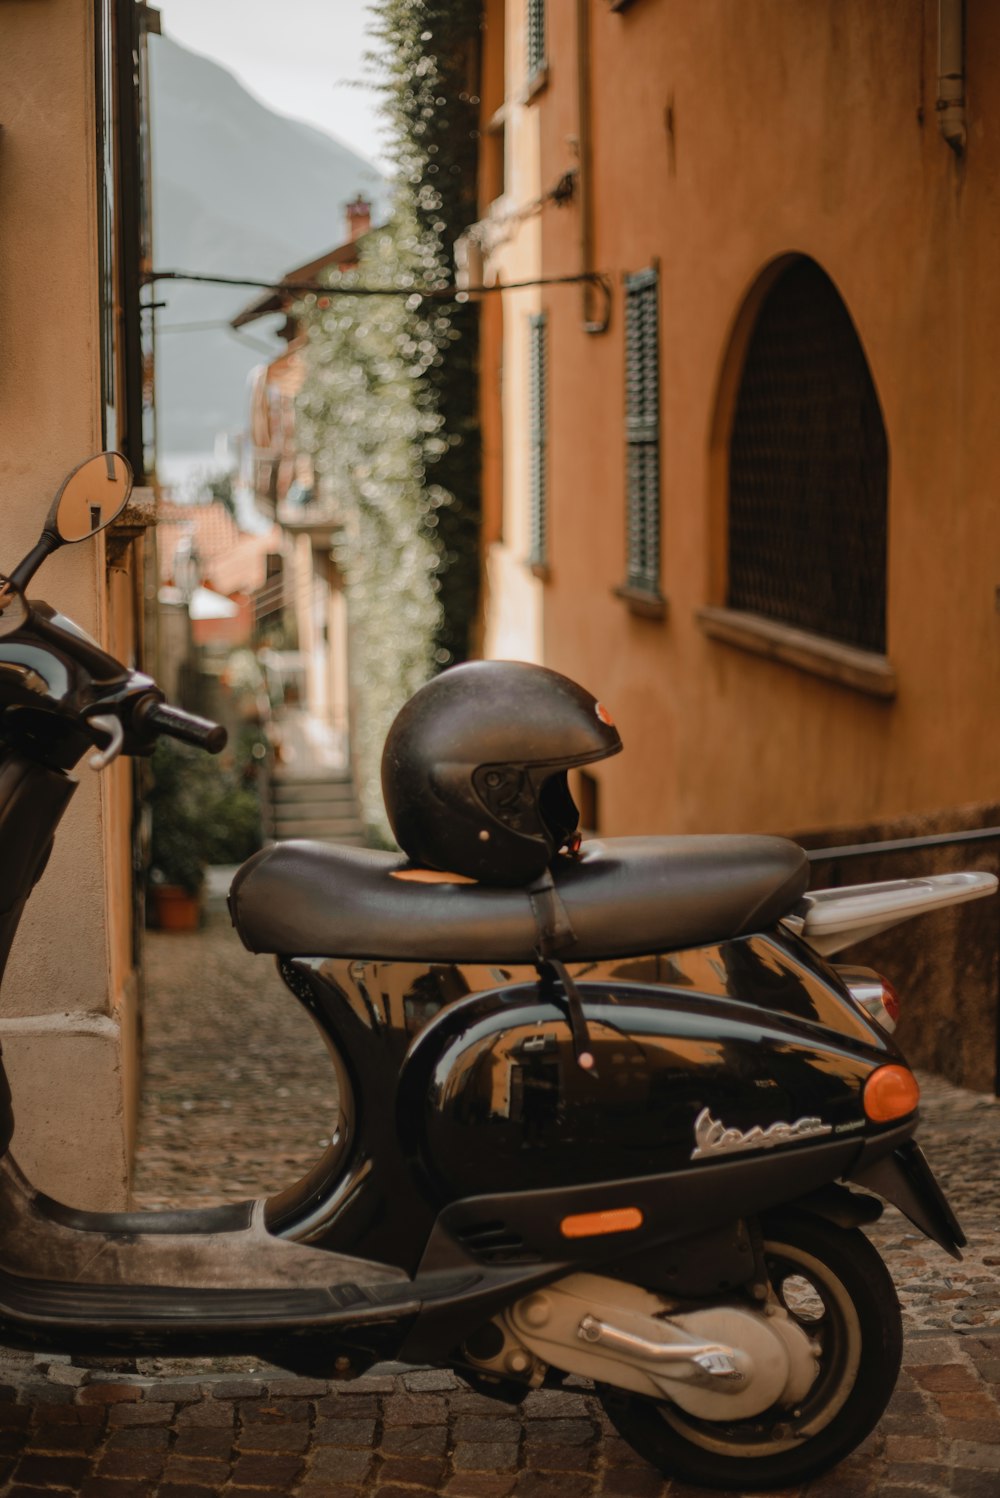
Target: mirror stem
29 565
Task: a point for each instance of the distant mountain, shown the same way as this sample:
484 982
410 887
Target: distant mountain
237 190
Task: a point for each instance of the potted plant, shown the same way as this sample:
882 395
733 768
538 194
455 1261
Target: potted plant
201 814
177 862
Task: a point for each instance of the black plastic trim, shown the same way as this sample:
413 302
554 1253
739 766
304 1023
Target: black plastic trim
906 1180
234 1217
846 1209
137 1306
698 1197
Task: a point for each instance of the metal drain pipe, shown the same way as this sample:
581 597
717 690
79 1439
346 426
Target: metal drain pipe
594 320
951 73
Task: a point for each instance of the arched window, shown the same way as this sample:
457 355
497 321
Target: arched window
808 469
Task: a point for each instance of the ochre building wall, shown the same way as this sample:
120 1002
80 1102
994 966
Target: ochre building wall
722 137
68 1004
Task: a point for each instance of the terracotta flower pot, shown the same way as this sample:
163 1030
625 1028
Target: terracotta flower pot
176 909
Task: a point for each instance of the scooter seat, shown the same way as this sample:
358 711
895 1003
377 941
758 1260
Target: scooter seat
624 896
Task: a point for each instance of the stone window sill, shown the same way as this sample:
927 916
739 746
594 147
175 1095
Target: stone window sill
536 83
139 513
138 516
642 602
863 670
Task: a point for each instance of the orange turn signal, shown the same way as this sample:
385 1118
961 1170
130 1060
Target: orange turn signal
891 1092
592 1224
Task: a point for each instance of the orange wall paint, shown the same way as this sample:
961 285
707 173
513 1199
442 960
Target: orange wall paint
724 136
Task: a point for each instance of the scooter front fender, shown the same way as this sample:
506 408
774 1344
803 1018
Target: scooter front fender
905 1179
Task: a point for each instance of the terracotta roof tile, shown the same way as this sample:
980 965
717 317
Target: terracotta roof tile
231 560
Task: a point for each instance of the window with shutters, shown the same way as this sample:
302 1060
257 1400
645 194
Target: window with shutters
536 42
493 132
808 470
538 554
642 436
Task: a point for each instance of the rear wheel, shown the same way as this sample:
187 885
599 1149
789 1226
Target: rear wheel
833 1283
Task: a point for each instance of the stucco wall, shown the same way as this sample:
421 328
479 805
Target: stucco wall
512 615
61 1031
725 136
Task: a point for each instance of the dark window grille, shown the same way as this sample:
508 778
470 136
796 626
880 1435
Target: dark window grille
536 37
808 469
126 365
538 422
642 432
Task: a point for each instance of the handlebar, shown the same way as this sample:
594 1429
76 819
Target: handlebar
153 716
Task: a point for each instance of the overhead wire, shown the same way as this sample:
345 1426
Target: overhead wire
214 325
446 293
560 193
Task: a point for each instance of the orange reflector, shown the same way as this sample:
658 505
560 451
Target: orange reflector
591 1224
891 1092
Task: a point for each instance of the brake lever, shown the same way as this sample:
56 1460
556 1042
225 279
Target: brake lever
110 725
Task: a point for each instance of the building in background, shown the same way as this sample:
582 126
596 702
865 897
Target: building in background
307 590
748 495
78 364
214 591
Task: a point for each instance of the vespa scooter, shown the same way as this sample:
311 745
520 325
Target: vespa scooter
678 1221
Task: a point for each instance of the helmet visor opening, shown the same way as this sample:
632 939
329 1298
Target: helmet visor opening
557 809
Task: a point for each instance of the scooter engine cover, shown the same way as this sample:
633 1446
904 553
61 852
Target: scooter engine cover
548 1324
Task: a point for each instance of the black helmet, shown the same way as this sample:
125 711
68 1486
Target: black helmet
474 768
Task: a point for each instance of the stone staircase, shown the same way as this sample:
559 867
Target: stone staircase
319 804
311 790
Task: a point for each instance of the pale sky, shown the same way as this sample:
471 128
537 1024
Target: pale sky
301 57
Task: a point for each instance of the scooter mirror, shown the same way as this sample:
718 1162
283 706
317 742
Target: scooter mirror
13 609
91 497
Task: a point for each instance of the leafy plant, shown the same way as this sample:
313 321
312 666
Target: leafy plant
388 406
202 814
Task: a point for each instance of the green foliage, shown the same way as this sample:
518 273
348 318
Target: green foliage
203 813
389 406
220 486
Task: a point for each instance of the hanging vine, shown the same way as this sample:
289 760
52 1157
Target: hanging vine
388 406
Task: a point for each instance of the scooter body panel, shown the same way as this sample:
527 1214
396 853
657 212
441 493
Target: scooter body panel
498 1070
712 1064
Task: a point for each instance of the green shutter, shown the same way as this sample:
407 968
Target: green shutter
538 424
536 36
642 432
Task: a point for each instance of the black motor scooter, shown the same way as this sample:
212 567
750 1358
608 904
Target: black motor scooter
678 1223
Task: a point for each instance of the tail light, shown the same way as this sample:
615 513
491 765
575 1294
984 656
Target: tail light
872 993
890 1093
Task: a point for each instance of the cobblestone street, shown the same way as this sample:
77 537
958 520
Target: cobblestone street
237 1102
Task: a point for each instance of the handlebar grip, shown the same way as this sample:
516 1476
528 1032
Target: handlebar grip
160 717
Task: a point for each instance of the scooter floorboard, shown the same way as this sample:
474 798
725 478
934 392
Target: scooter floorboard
83 1307
441 1302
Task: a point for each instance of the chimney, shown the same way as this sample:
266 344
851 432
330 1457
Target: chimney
359 217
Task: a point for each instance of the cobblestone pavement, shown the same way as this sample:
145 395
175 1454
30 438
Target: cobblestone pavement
235 1075
238 1082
